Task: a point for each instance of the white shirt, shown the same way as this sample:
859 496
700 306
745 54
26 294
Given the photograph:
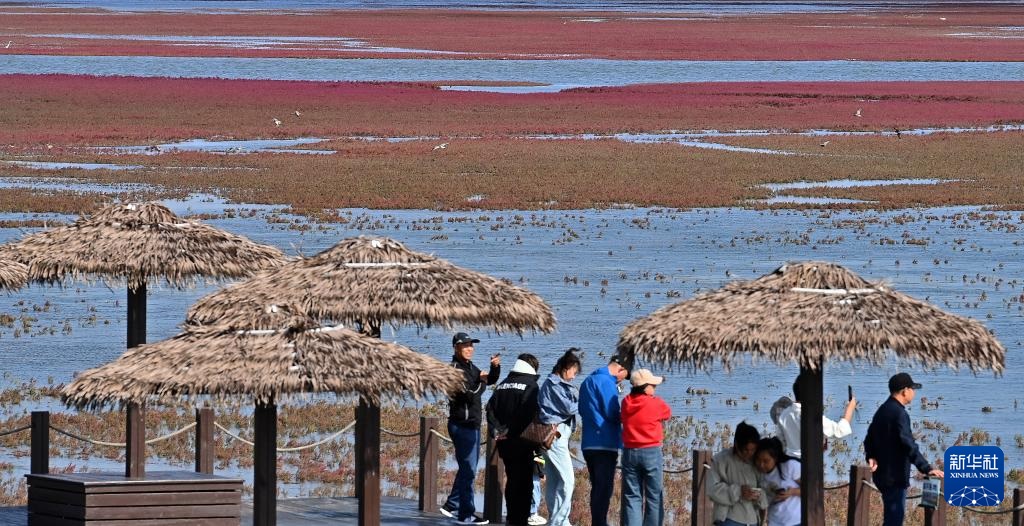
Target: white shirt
789 429
786 512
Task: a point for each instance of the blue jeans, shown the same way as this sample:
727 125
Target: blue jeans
894 506
467 453
601 466
642 483
559 478
535 501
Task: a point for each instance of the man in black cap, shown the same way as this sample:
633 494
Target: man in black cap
464 416
890 449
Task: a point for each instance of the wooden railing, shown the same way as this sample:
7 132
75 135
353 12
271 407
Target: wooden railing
860 488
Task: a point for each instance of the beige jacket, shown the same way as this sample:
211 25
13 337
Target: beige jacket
728 474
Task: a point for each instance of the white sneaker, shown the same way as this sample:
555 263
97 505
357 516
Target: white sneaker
536 520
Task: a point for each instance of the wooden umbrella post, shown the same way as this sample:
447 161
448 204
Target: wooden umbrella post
812 450
368 452
264 502
135 429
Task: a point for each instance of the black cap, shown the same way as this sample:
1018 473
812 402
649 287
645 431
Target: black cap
621 360
461 337
901 381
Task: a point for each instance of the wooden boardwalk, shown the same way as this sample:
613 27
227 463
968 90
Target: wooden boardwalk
315 511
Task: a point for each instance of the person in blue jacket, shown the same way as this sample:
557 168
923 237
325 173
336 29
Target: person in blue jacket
602 433
890 448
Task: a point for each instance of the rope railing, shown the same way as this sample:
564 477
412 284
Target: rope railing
871 485
13 431
280 449
995 512
397 434
95 442
669 471
840 486
442 437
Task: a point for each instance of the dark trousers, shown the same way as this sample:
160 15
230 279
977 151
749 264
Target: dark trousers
467 453
894 505
601 467
518 459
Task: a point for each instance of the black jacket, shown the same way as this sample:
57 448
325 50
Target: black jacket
513 405
464 409
890 442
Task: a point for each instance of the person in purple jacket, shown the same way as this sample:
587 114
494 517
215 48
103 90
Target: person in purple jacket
602 433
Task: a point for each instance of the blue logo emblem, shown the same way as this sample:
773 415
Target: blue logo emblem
974 476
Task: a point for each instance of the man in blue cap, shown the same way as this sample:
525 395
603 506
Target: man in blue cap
464 417
890 449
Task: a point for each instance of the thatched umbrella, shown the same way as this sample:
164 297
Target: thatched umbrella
810 313
369 281
268 366
139 244
13 275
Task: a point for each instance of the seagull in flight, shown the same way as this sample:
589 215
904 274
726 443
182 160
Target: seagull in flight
857 114
441 146
297 113
824 144
8 46
277 122
899 135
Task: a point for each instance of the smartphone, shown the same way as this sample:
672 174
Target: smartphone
849 392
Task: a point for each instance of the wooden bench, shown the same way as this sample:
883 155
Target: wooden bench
111 499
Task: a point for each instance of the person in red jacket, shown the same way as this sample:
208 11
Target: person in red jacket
642 465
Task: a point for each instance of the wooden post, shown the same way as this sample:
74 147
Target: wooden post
812 457
368 455
700 503
206 450
494 478
1018 501
135 437
936 516
264 494
859 501
40 445
135 431
428 464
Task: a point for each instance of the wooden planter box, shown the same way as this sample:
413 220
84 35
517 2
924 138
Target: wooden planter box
110 499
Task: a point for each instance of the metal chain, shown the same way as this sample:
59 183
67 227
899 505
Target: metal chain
13 431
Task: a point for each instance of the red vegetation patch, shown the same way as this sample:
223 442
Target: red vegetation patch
939 33
74 110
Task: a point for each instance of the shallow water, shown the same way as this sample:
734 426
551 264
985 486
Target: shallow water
555 74
42 165
650 258
223 146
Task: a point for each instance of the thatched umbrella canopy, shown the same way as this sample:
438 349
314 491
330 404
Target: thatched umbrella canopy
267 366
810 313
369 281
13 275
139 244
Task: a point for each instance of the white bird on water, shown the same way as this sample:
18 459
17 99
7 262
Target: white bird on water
824 144
297 113
858 113
441 146
8 46
277 122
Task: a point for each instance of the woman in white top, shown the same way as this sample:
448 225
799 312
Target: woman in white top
782 477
